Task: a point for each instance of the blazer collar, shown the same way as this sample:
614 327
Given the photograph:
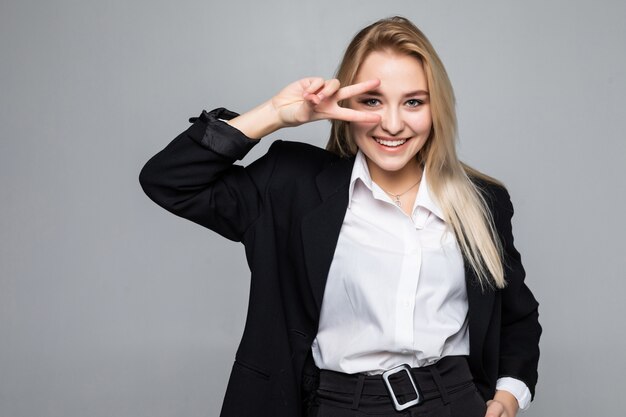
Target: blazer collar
335 177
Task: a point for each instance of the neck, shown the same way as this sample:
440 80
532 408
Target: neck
398 181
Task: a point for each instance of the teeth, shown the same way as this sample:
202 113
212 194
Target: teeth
390 142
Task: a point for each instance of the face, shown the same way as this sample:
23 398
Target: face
402 102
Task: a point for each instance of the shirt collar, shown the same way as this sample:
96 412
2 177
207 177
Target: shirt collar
424 198
361 172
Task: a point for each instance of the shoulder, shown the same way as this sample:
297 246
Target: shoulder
300 158
301 150
489 187
495 194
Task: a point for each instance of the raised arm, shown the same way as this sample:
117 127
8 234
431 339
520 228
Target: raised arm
195 177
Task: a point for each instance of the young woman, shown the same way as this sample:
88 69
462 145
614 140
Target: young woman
384 277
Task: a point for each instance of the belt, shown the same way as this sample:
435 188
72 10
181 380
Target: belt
404 386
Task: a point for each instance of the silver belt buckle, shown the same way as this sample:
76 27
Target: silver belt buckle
406 368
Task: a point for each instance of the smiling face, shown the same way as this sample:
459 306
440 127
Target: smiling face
402 101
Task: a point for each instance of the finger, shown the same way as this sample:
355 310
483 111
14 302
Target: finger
349 115
314 84
355 89
312 98
330 88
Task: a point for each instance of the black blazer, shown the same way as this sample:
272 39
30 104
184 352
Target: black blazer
287 209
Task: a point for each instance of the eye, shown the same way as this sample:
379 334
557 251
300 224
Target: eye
414 102
370 102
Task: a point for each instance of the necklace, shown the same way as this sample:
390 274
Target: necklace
396 197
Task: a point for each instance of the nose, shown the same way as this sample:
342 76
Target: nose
391 121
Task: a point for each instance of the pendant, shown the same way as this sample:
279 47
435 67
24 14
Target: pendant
397 200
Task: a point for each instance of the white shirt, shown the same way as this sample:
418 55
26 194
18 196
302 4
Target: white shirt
396 288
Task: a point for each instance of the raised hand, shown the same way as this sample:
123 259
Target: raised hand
303 101
311 99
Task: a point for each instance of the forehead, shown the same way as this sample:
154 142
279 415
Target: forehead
393 68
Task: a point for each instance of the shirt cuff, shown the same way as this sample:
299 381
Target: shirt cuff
212 132
517 388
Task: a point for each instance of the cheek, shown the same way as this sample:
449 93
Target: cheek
420 122
360 130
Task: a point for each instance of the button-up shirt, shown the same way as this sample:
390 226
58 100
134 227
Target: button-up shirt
396 288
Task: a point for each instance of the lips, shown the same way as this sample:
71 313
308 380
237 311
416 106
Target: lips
392 143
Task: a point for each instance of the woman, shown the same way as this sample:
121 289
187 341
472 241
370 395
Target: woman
384 276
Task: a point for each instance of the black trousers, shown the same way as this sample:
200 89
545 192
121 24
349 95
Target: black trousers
445 390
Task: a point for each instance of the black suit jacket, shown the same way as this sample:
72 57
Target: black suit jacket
287 209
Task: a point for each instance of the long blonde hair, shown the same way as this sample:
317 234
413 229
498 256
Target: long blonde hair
462 203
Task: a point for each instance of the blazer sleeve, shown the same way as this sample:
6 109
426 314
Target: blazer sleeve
195 177
520 329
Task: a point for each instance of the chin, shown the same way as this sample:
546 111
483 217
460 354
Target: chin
393 165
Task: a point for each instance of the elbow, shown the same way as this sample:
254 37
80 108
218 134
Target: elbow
161 189
146 181
152 184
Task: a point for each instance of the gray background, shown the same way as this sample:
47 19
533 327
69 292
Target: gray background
110 306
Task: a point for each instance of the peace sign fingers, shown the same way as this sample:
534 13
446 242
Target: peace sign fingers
356 89
350 115
330 109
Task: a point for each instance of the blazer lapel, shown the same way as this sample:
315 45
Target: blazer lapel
321 226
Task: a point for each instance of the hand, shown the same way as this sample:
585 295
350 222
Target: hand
311 99
304 101
504 404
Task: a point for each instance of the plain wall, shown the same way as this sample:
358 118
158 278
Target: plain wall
110 306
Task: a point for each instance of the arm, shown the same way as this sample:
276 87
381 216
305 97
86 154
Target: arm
194 176
520 332
520 329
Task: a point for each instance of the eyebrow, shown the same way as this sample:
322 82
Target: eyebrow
375 93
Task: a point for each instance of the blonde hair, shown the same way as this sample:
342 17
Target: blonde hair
463 205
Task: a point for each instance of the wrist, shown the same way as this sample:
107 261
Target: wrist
508 401
258 122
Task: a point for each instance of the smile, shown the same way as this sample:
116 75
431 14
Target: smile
390 142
